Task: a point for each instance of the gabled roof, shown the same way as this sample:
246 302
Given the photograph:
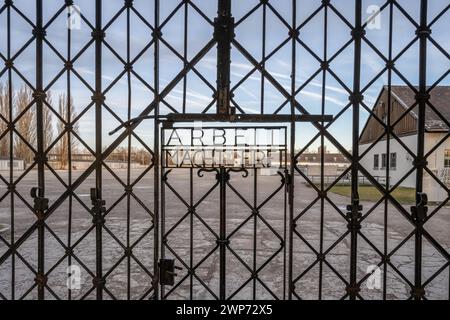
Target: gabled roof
439 98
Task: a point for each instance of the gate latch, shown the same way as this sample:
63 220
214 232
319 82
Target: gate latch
167 271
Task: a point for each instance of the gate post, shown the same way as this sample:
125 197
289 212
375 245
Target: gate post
98 98
419 211
354 209
39 97
223 34
223 176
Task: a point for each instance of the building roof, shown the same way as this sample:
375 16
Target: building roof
439 98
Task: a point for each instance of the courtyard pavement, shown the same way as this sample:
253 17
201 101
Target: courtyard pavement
267 252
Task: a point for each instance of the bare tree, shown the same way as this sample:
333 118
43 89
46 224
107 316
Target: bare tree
4 111
67 111
26 125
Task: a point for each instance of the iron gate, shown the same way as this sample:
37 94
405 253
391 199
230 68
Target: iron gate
118 237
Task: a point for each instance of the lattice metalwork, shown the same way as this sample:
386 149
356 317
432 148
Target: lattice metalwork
150 60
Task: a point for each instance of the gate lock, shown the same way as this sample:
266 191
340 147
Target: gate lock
167 271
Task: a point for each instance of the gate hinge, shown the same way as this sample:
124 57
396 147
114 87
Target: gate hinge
98 207
167 271
419 212
40 202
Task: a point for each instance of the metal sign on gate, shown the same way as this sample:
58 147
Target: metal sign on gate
214 147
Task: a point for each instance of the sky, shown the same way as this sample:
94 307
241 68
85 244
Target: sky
249 35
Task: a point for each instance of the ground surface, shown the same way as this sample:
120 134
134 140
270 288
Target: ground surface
130 276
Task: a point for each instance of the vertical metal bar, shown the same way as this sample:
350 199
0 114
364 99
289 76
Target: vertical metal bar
223 22
185 51
263 53
354 209
388 150
156 159
418 291
191 223
98 144
129 187
255 225
39 96
11 155
69 141
291 172
222 232
322 149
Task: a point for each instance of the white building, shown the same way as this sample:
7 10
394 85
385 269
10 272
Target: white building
405 128
5 163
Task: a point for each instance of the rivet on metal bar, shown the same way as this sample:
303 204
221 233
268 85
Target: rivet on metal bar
68 65
352 290
423 31
223 242
358 33
420 163
9 63
39 33
423 97
390 64
418 292
322 194
356 98
294 33
128 67
40 158
128 3
128 252
41 280
157 33
98 282
98 98
128 189
39 95
98 34
321 257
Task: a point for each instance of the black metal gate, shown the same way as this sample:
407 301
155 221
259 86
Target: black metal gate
124 235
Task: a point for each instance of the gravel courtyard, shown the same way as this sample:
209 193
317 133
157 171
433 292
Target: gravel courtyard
133 228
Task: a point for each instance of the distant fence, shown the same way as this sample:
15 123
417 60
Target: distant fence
345 180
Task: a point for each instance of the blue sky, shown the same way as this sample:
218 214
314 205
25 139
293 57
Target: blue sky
249 35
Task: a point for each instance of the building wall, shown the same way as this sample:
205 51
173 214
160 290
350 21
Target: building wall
19 165
404 163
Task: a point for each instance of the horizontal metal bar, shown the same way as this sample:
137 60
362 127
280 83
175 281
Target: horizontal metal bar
267 118
261 118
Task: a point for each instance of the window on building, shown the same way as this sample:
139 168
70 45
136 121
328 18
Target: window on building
383 160
393 161
376 161
447 158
